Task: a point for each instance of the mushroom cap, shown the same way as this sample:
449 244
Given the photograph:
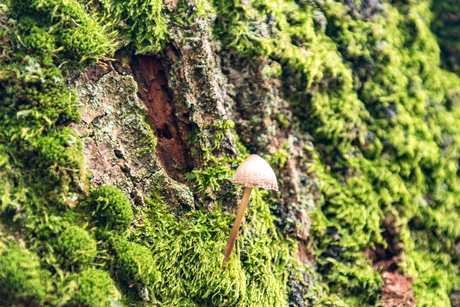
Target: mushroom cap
255 172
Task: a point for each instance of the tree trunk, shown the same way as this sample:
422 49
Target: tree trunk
123 125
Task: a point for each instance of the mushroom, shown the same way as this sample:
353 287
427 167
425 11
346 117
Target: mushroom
254 172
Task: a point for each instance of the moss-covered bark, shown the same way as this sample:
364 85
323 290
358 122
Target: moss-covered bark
122 125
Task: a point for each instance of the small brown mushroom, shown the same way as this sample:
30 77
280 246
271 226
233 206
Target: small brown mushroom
254 172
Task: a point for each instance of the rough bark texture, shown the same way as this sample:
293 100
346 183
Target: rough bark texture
117 144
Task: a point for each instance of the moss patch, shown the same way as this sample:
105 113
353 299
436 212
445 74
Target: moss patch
21 278
91 288
143 22
76 246
383 117
111 207
134 263
188 255
42 166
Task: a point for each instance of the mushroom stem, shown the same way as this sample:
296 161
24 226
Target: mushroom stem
236 226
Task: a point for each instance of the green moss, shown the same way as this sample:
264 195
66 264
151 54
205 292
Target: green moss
383 117
111 207
407 161
63 29
76 247
188 255
91 288
398 160
42 164
34 99
143 21
22 281
134 263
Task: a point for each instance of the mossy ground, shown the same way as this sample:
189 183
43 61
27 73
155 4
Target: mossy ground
368 88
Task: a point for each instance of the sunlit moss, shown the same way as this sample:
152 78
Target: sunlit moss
42 165
143 21
111 207
384 120
188 255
